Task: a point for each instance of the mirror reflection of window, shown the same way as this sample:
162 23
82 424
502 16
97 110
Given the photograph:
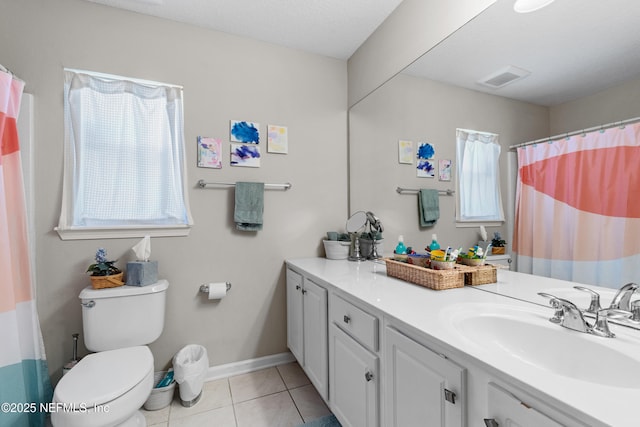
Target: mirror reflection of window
478 192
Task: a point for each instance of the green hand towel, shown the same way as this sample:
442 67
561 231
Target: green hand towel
249 206
428 207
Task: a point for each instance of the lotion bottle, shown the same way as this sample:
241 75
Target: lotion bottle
434 243
401 249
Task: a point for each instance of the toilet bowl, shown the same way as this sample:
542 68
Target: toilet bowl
108 387
105 389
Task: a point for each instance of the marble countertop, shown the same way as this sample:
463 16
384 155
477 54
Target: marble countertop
609 401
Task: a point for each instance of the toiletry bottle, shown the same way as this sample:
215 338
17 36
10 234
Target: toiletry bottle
401 249
434 243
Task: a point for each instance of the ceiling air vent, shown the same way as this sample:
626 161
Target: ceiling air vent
503 77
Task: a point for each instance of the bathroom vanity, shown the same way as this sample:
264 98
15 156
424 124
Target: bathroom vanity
383 352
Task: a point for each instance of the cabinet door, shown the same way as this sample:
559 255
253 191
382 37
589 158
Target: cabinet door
508 410
422 387
353 382
294 315
315 336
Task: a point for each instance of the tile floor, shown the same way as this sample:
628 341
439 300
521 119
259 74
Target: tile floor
281 396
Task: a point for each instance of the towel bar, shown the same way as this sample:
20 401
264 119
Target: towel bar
202 184
446 192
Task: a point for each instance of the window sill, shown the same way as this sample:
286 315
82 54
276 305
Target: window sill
122 232
476 224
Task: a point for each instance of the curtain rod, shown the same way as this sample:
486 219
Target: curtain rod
6 70
202 184
446 192
577 132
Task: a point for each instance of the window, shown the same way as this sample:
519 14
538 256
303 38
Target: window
479 199
124 165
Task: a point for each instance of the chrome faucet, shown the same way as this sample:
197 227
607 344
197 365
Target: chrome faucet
567 313
570 316
622 300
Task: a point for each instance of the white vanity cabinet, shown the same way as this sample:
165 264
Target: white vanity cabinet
422 387
385 353
354 365
307 328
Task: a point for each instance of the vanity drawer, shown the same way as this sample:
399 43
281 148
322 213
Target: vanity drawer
356 322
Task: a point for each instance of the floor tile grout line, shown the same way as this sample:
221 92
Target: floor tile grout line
290 395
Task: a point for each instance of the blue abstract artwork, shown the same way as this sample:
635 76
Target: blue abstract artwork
246 155
426 169
247 132
425 150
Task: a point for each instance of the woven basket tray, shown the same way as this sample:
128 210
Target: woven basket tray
102 282
432 279
480 275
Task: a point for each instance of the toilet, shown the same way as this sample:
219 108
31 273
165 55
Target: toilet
109 386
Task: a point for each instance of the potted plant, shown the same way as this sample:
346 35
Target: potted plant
104 273
497 244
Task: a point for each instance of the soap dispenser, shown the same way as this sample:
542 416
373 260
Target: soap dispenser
434 243
401 249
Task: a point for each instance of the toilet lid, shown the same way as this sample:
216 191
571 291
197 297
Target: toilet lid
101 377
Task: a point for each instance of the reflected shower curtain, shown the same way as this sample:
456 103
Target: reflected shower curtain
24 377
578 208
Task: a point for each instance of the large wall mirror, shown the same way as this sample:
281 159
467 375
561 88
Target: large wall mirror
565 53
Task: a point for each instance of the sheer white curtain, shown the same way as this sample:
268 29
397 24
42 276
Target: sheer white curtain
479 197
124 153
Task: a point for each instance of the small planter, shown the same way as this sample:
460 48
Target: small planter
497 250
111 281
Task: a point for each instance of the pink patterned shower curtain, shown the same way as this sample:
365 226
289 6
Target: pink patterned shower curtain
24 377
578 208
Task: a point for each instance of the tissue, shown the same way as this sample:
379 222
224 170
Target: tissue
142 249
217 290
142 272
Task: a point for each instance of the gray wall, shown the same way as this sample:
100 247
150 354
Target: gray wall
416 109
612 105
224 77
412 29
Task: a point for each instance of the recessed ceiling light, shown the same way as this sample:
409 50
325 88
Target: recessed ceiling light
526 6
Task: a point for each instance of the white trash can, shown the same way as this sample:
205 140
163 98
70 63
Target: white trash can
190 366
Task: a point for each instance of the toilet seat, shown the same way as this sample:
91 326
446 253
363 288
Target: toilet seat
105 389
102 377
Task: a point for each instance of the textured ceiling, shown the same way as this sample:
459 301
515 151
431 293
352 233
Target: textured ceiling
334 28
572 48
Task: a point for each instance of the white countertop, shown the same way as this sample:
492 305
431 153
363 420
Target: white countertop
429 311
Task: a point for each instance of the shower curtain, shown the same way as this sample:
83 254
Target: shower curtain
578 208
24 378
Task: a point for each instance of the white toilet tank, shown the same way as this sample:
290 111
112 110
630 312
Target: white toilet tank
121 317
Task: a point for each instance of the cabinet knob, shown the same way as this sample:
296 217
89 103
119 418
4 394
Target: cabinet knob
297 287
346 319
304 291
368 376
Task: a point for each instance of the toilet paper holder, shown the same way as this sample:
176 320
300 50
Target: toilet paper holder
205 288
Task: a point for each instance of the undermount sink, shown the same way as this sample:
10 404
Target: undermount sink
533 340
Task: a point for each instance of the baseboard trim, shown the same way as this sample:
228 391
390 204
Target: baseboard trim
249 365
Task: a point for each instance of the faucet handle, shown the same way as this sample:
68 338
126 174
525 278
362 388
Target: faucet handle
594 306
601 325
555 303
